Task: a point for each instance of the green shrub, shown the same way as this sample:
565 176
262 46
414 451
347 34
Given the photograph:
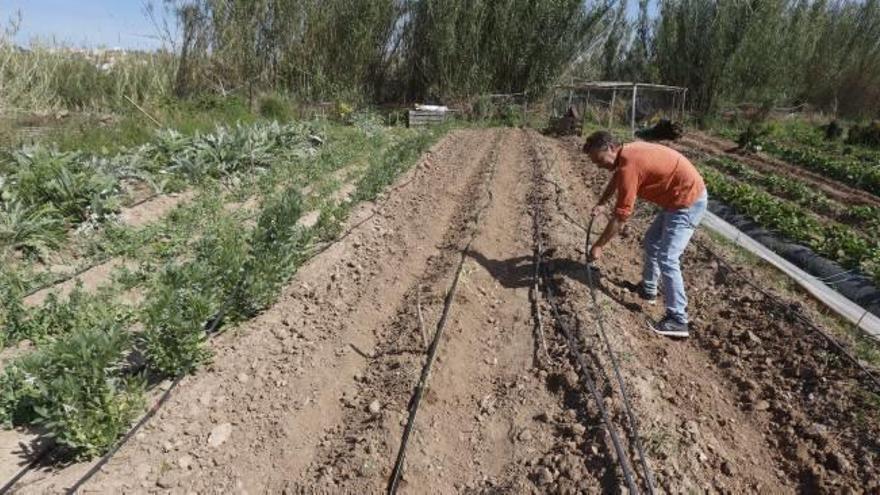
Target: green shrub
58 317
65 181
76 389
273 108
186 296
385 167
35 229
511 115
369 123
276 250
173 341
865 135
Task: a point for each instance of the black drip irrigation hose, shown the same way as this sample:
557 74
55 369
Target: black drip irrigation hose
574 347
43 454
397 472
633 423
211 331
81 270
106 457
631 417
144 200
875 381
66 278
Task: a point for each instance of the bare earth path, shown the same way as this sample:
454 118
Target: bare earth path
312 396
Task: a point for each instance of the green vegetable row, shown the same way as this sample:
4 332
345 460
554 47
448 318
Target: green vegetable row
851 172
832 240
44 192
81 386
865 218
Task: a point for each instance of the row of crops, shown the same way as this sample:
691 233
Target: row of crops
95 353
846 233
808 146
852 171
806 217
44 193
866 218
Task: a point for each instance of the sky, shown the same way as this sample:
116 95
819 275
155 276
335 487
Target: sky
83 23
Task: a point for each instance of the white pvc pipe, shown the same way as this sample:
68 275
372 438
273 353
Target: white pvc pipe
847 309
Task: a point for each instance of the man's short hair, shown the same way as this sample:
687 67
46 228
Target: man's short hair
599 140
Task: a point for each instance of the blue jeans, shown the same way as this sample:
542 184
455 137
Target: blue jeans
665 242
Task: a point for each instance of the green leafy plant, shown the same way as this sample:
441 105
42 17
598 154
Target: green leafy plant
34 230
58 317
273 107
76 389
173 341
849 171
865 135
65 181
834 241
276 250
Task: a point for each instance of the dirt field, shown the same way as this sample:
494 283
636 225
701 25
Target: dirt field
312 396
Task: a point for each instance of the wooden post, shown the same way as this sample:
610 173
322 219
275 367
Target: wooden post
683 99
674 103
611 109
632 122
586 104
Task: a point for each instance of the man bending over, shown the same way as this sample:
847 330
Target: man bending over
666 178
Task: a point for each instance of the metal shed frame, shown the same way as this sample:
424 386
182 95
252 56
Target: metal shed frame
679 94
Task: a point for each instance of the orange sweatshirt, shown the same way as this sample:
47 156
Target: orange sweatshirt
657 174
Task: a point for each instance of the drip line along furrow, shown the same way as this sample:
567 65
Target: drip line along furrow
421 386
571 335
541 158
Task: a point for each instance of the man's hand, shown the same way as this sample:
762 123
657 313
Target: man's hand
598 210
595 253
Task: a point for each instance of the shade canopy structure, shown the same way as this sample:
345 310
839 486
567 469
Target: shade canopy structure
636 102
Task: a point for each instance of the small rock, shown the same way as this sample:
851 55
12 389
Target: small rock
751 337
572 379
185 462
166 481
525 435
727 468
578 429
544 476
375 407
487 404
762 405
691 428
837 462
219 435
